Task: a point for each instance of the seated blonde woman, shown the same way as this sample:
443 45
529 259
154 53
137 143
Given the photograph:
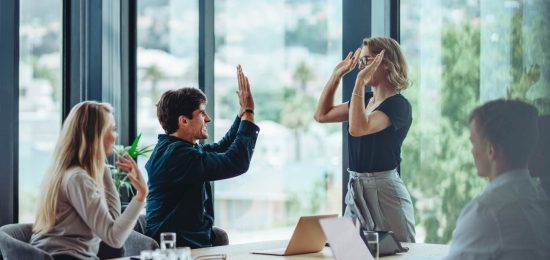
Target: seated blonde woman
80 206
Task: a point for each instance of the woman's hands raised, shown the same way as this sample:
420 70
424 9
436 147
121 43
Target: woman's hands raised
347 65
364 75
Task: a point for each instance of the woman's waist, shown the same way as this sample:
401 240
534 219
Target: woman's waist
374 174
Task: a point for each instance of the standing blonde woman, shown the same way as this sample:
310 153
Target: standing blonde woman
80 206
378 124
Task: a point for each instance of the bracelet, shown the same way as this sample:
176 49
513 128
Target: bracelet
355 94
248 110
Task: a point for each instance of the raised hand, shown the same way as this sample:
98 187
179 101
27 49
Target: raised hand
365 74
348 64
245 95
127 164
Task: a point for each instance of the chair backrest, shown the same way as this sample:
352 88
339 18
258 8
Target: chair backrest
141 224
14 243
138 242
220 237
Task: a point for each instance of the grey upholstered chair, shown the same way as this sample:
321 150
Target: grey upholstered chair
14 244
141 224
221 238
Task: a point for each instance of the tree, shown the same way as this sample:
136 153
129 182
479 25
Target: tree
154 75
41 71
303 75
319 196
296 115
534 45
437 164
441 173
306 34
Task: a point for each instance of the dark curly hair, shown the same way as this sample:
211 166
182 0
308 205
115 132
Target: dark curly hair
174 103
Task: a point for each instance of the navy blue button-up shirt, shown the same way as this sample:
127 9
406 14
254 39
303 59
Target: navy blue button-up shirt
180 196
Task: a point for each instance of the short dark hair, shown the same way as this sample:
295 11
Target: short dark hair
511 125
174 103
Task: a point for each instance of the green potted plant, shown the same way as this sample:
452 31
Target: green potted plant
120 177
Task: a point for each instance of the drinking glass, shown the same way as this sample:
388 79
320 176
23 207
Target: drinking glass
167 240
184 253
146 255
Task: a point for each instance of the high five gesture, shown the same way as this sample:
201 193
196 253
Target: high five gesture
245 96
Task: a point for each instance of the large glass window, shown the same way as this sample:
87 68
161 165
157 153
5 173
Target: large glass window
463 53
39 96
288 50
167 57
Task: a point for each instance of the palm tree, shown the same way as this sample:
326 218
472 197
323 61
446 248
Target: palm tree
303 75
153 74
296 115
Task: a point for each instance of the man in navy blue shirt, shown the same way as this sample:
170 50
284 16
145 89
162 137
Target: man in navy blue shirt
180 170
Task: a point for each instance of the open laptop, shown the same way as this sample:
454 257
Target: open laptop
345 241
308 237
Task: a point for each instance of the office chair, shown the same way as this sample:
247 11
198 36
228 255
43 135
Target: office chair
15 238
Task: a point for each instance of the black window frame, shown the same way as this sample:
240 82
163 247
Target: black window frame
9 111
82 72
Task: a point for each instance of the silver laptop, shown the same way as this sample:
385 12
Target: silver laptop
307 238
344 239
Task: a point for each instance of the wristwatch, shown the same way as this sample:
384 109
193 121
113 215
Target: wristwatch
248 110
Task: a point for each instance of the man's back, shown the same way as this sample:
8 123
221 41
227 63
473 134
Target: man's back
510 220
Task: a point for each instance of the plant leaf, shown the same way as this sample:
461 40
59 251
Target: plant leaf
145 151
120 177
133 147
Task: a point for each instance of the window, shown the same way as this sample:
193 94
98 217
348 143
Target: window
167 58
39 96
462 53
288 49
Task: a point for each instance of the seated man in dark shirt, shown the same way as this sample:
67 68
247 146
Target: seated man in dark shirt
180 170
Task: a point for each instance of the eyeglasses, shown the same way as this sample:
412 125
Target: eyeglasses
365 60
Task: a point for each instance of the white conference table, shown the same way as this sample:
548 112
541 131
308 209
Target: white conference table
242 251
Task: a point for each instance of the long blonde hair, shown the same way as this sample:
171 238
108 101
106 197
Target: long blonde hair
80 144
393 58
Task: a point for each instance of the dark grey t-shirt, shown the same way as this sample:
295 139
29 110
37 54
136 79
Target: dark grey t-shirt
382 151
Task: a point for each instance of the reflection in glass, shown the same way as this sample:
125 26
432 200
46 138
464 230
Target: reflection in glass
461 54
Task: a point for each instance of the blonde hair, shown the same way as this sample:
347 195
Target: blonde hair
393 59
80 144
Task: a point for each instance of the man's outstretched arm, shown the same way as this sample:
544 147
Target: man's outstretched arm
212 166
246 113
